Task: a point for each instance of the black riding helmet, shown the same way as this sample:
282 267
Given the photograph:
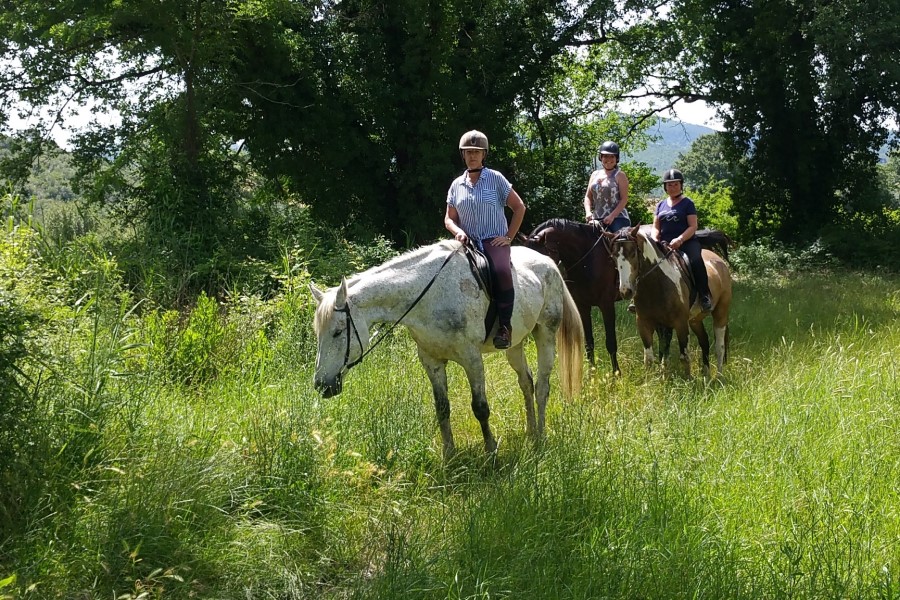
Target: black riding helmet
673 175
609 148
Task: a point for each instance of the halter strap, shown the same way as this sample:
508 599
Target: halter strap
346 310
655 266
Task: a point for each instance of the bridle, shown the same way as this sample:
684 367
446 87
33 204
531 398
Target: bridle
655 266
600 238
351 325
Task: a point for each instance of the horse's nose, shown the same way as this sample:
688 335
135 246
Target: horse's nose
329 388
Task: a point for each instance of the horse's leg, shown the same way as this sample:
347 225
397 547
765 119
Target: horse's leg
545 342
665 342
608 309
584 311
703 341
720 326
720 331
515 356
645 331
437 374
474 367
681 332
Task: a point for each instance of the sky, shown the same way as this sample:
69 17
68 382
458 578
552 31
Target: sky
697 113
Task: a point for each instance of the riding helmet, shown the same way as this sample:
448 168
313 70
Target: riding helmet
673 175
473 140
609 148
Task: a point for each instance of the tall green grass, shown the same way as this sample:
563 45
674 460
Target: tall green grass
186 455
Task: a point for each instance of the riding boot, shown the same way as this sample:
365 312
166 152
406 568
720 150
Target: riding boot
698 269
505 300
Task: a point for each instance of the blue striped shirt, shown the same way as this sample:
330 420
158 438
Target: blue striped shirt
480 206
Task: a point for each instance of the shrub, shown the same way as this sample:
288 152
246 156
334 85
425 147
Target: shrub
715 209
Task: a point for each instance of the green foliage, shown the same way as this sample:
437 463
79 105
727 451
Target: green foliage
715 209
18 323
809 90
889 177
194 353
866 240
767 258
187 455
706 164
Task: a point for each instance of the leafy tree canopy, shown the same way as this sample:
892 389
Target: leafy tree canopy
806 90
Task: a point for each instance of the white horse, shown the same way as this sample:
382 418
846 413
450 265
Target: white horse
447 323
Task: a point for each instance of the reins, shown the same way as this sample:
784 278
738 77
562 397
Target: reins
350 324
655 266
599 239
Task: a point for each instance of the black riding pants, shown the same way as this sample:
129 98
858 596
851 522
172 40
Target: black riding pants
498 256
693 250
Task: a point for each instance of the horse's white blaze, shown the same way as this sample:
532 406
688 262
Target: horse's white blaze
626 277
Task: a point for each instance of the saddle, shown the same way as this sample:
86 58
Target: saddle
481 271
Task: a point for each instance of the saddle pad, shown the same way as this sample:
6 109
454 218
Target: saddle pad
481 270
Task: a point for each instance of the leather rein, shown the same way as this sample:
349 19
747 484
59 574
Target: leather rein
351 325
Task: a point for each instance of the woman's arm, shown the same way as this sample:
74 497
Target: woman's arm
654 231
687 234
588 209
451 222
514 201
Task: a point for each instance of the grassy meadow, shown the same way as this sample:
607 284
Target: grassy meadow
154 454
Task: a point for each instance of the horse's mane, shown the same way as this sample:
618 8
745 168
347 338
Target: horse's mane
407 260
565 226
404 261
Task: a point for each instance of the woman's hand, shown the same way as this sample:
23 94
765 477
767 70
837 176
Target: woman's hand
461 236
676 243
501 240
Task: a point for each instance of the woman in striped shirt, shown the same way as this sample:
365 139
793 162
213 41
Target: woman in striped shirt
475 210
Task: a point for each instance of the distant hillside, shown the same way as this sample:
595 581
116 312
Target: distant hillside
674 138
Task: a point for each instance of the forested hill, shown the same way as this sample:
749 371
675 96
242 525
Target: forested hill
674 138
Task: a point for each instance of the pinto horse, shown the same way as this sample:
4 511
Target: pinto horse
432 291
658 281
590 275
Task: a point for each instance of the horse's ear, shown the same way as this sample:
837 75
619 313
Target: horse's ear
316 293
340 299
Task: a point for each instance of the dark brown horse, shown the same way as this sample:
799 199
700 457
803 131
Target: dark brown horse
590 274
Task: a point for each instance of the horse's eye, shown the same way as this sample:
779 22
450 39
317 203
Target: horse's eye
337 333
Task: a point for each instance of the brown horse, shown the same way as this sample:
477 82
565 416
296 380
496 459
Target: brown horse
590 274
658 281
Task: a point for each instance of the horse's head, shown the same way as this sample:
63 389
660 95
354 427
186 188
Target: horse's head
562 240
627 248
341 334
542 240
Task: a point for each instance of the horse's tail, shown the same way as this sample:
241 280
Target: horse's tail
570 346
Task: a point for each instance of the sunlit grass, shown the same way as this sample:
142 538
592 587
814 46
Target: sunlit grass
775 480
